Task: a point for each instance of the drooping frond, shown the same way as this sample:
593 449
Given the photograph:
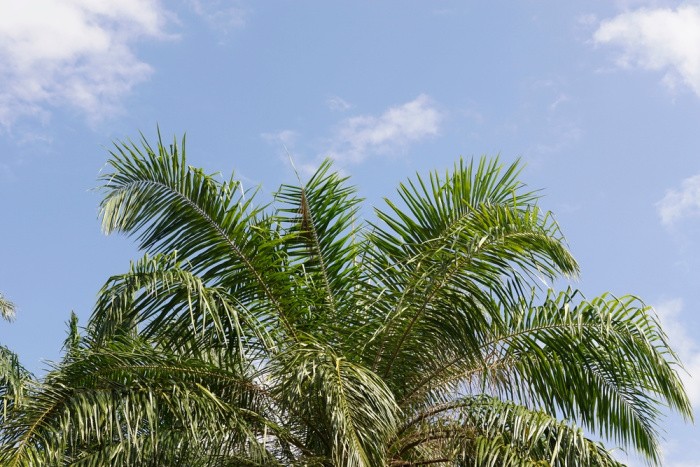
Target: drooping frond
163 300
484 431
611 348
468 245
603 363
14 378
118 400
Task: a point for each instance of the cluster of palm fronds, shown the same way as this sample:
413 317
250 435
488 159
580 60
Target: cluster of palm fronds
296 334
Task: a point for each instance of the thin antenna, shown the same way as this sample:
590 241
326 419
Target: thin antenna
291 161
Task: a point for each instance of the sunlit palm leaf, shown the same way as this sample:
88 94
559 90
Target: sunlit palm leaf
14 380
7 308
483 431
322 244
612 347
161 299
345 410
114 401
468 245
173 207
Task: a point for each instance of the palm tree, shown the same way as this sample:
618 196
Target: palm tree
295 334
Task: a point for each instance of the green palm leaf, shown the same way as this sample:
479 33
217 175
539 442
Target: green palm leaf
14 380
7 308
125 400
484 431
345 410
163 300
469 245
172 207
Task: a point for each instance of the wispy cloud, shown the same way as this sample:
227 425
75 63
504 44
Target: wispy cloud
285 143
221 15
680 203
686 347
562 136
283 137
360 137
561 99
338 103
660 39
74 53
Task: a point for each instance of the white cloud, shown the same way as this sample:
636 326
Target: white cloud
685 346
661 39
74 53
681 203
357 138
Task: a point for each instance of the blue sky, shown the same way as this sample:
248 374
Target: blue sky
600 99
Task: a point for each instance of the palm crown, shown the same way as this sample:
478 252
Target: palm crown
296 334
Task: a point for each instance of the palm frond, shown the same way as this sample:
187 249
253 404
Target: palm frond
320 220
7 308
14 380
613 349
116 399
604 363
73 339
161 298
484 431
171 206
448 265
